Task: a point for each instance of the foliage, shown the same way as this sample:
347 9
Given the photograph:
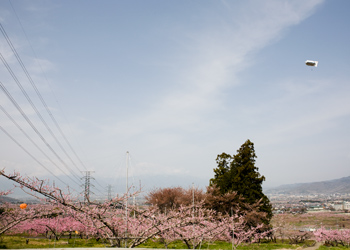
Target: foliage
12 215
166 199
333 237
222 202
174 197
192 224
239 174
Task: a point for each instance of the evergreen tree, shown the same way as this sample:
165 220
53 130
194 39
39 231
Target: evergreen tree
238 173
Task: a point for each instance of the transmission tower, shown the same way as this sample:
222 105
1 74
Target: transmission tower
109 188
87 185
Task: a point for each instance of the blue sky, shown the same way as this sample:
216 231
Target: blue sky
176 83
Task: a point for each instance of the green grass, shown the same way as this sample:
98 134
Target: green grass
224 245
19 242
332 248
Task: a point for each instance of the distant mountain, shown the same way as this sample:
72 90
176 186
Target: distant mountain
150 182
341 186
5 199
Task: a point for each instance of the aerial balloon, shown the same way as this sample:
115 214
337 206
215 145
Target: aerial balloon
311 63
23 206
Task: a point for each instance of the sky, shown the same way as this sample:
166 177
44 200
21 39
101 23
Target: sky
174 83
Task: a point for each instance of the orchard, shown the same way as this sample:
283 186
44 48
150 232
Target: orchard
333 237
228 212
60 214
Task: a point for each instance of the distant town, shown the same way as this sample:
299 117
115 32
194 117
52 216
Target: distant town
333 195
286 203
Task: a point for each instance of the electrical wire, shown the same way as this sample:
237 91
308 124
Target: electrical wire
37 91
33 127
30 139
33 157
99 184
35 88
33 106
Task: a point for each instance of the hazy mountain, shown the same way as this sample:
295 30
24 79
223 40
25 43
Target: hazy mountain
4 199
341 185
151 182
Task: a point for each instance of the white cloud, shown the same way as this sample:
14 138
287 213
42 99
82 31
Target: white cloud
209 66
214 63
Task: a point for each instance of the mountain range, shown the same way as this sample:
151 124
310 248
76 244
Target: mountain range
340 186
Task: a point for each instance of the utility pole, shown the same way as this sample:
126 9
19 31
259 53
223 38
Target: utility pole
87 185
233 229
193 213
126 200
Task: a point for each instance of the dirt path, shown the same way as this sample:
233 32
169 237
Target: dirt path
315 247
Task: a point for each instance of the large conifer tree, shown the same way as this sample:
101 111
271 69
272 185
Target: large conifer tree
238 173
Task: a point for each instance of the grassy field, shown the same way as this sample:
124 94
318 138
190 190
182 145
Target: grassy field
329 220
19 242
331 248
294 222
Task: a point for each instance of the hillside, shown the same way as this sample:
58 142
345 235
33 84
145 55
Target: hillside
4 199
341 186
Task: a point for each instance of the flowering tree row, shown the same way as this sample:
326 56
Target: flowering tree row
52 227
191 224
285 226
333 237
12 215
9 216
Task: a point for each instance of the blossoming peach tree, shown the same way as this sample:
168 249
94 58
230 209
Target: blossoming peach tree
333 237
64 213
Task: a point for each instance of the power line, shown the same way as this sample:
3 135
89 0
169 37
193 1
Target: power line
99 184
28 137
34 107
15 141
33 127
37 91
